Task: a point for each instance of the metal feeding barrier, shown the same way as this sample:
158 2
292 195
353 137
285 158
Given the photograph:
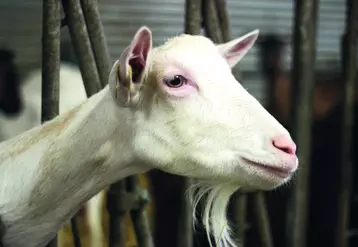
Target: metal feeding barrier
86 31
82 19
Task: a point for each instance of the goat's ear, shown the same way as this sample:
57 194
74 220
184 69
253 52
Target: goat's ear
127 74
235 49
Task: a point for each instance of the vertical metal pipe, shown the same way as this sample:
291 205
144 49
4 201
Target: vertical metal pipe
223 17
75 233
87 36
240 205
82 46
185 227
240 199
89 64
138 214
262 220
304 52
193 17
2 232
349 73
97 39
217 28
210 20
224 24
51 27
52 243
117 214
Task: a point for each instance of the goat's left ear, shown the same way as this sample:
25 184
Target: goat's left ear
235 49
127 74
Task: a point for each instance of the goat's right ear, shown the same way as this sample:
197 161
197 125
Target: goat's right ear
235 49
127 74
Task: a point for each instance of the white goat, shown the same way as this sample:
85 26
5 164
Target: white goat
176 107
72 93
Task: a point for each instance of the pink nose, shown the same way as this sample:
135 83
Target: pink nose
285 144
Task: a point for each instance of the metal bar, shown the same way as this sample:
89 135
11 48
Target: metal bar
304 52
349 72
75 233
138 214
117 214
193 17
224 25
51 27
222 22
90 65
63 22
95 69
240 205
210 20
185 227
2 232
223 16
270 46
262 220
97 39
82 46
52 243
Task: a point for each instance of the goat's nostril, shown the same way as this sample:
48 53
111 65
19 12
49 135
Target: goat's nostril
285 144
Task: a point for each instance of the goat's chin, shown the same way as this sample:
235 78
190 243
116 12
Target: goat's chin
262 181
217 197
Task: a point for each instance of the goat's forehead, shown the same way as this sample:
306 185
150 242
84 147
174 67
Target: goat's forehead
187 40
187 44
191 50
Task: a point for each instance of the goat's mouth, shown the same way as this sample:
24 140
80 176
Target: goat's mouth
274 170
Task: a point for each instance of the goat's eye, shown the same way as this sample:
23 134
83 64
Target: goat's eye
176 81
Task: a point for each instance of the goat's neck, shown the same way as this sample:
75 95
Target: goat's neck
47 173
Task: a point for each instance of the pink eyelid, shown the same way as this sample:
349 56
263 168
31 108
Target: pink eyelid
191 84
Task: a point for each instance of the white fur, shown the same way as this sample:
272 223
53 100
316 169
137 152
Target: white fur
211 129
72 93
